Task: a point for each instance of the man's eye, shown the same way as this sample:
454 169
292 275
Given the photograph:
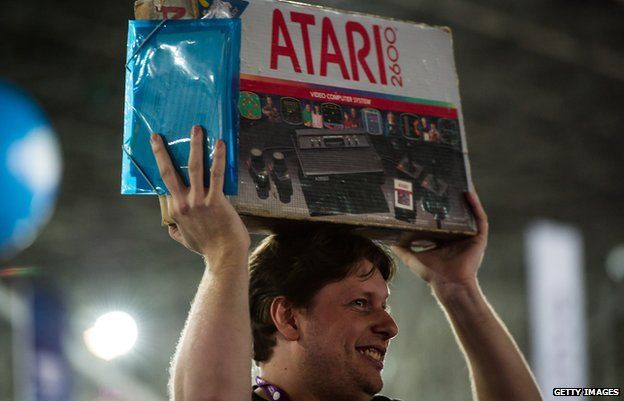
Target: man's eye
360 303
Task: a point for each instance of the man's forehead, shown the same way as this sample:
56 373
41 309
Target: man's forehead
365 270
366 281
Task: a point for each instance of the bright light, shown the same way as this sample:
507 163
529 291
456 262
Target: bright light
112 335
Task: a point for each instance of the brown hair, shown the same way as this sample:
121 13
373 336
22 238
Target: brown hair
296 265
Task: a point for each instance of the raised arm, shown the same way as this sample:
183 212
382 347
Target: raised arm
213 358
498 369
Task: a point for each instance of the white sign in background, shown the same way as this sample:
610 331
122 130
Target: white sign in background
556 294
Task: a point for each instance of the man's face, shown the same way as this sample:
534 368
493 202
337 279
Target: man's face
345 336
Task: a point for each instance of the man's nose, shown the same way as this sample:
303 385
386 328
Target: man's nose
386 325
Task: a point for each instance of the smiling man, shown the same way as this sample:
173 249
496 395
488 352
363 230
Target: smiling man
311 306
318 302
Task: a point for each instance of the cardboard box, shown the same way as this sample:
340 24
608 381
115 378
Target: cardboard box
353 119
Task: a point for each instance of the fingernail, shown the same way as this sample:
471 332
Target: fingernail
196 130
220 144
153 139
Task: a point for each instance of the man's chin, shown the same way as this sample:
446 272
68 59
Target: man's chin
373 386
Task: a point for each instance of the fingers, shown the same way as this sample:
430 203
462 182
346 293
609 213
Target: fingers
479 212
217 170
175 233
409 259
475 203
196 160
167 172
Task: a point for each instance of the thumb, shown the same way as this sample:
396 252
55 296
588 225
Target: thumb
174 232
410 260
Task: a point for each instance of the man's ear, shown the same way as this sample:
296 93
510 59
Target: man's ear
284 317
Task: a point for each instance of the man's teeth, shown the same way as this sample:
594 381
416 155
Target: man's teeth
372 353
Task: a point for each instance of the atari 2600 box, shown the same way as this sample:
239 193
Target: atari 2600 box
352 119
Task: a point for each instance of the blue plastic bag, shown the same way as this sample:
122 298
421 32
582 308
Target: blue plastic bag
179 73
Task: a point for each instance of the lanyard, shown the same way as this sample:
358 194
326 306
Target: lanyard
271 390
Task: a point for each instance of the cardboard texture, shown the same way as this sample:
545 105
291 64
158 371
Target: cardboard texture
353 119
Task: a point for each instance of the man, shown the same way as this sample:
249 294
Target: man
270 111
321 289
317 117
355 118
332 347
391 125
307 115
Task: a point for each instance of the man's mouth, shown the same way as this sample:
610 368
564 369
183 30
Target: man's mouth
373 354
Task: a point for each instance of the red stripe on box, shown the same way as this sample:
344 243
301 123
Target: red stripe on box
280 87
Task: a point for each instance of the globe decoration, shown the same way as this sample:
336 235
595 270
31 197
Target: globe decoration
30 170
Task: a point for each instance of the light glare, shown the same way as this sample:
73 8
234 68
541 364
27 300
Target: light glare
112 335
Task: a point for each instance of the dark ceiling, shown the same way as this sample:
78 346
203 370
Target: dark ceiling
542 85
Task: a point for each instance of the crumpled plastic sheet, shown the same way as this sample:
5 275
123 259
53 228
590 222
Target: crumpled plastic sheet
180 73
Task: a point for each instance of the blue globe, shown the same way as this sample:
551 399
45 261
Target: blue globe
30 170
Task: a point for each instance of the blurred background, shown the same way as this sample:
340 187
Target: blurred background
542 85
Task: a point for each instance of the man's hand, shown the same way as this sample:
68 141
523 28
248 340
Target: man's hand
453 263
498 369
208 364
205 221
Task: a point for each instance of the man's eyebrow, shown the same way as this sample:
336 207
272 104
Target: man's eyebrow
372 295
